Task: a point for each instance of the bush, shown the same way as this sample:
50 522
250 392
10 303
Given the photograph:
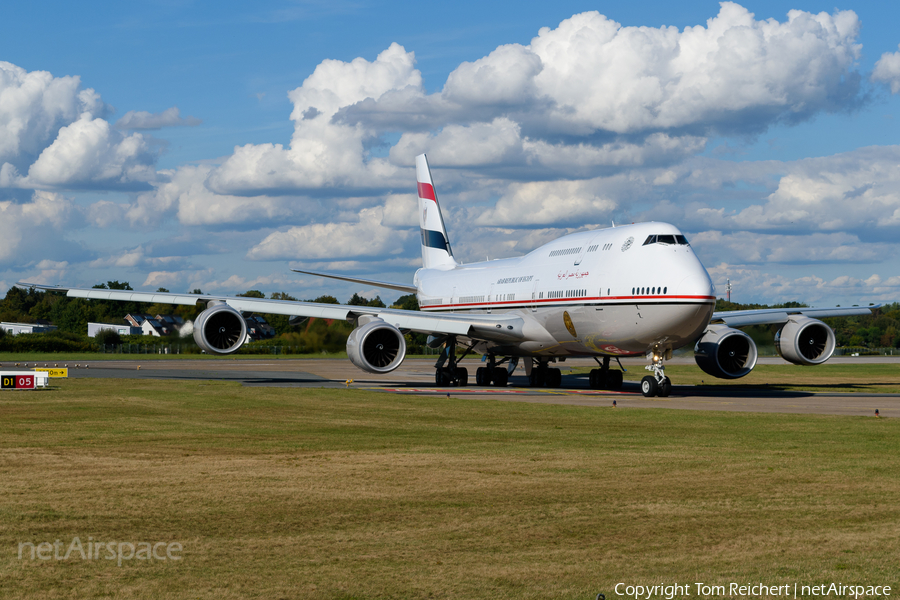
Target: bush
54 341
108 337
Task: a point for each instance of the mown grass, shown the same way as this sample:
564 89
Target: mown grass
315 493
862 377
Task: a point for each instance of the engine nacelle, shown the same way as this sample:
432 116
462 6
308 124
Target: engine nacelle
220 329
725 353
376 346
805 341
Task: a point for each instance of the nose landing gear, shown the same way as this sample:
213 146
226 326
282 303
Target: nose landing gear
657 384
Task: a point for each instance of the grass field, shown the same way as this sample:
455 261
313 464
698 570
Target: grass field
870 378
287 493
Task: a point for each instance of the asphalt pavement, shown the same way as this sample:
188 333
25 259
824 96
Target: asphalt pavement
416 376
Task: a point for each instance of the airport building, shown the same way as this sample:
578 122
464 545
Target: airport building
16 328
95 328
158 326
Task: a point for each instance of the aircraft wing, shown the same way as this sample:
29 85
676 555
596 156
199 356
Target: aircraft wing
769 316
400 287
499 327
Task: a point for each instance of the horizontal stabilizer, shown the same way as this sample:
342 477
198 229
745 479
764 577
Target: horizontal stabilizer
410 289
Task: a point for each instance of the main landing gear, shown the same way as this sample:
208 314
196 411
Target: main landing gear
493 374
657 384
605 378
543 375
446 370
448 373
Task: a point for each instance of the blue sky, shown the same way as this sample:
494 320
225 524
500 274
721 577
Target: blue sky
174 144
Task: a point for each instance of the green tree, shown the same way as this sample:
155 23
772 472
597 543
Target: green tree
357 300
108 337
407 302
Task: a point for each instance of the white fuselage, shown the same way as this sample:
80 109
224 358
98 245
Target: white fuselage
599 292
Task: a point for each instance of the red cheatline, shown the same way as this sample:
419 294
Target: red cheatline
426 191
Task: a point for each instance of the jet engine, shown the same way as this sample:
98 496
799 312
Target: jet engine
376 346
220 329
805 341
725 353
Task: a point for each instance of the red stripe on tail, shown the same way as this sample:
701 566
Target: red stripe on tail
426 191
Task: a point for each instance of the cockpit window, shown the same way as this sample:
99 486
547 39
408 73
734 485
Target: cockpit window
666 239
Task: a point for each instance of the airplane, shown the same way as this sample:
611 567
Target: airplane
631 290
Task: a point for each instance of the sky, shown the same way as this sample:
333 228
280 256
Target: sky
216 145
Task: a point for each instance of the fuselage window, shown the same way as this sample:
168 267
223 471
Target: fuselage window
651 239
665 290
666 239
653 291
682 240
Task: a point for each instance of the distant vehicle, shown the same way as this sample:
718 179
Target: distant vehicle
623 291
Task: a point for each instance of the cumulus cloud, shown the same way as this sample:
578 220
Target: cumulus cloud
366 237
137 258
186 197
854 190
34 106
171 117
887 70
322 153
590 74
752 248
542 203
88 154
752 285
31 229
54 133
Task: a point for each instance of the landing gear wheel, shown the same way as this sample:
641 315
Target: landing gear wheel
482 376
592 378
615 380
649 386
462 376
598 379
440 378
665 388
554 378
501 377
538 378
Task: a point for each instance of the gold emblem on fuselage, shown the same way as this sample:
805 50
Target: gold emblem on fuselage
569 325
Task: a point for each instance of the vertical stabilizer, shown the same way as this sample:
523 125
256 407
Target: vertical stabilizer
436 252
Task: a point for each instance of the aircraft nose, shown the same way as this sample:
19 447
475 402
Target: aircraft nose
697 285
